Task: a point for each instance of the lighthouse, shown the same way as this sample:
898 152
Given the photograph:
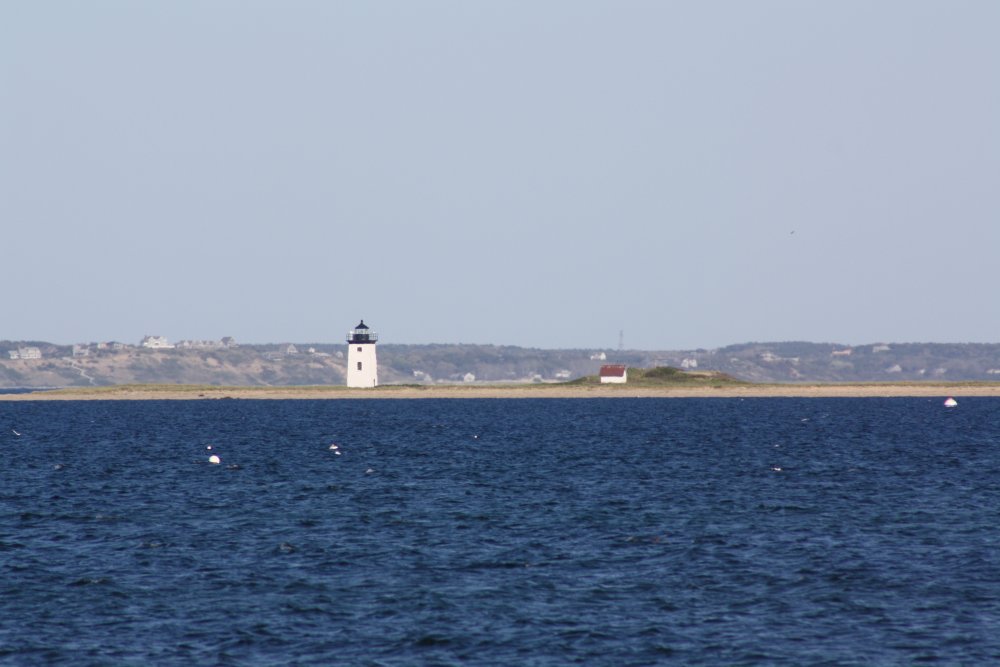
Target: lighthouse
362 369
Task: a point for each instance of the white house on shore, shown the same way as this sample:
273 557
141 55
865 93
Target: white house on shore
614 374
156 343
25 353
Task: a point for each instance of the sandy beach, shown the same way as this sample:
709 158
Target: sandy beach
167 392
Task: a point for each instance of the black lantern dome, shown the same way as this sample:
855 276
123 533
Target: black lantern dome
361 334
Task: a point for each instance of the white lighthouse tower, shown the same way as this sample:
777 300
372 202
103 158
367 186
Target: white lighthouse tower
362 369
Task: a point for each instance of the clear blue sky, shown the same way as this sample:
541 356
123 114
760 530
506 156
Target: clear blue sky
537 173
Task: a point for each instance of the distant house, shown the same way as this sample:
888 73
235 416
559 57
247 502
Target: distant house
200 344
156 343
25 353
614 374
842 353
598 356
689 363
81 350
291 349
770 358
469 377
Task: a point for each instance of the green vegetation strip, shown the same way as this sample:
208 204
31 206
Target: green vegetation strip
667 376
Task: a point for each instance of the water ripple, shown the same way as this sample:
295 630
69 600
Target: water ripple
603 532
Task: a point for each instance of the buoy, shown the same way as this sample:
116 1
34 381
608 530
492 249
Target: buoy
209 447
214 459
950 402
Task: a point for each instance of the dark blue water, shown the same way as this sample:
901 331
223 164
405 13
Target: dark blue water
501 532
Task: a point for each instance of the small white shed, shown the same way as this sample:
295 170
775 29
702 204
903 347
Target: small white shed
614 374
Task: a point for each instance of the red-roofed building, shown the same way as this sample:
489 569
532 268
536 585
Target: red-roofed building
614 373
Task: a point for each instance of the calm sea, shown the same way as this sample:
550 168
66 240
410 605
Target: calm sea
500 532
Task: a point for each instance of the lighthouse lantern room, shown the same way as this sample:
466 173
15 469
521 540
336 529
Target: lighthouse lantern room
362 369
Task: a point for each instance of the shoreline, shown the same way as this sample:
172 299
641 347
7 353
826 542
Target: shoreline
180 392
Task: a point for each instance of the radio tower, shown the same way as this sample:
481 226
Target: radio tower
621 340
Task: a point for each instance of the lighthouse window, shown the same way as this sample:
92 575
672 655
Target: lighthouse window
359 349
359 365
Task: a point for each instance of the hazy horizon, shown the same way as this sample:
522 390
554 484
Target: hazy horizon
382 342
539 174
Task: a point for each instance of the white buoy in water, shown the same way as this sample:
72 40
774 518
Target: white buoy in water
950 402
209 447
214 459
